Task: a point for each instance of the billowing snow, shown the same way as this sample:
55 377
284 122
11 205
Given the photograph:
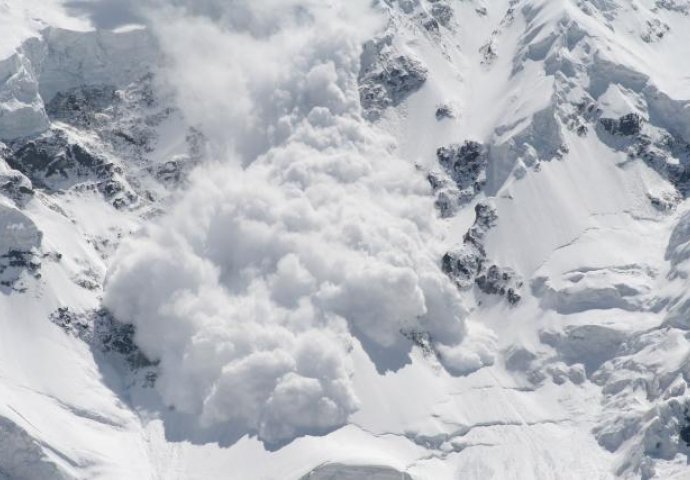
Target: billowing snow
308 239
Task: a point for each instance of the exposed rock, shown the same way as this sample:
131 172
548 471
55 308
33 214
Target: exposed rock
466 164
387 77
466 264
103 332
20 241
628 125
53 161
463 264
448 198
81 106
444 111
497 281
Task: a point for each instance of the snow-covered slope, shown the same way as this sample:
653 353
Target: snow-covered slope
301 239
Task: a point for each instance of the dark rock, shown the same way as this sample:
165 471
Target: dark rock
444 111
463 264
627 126
79 106
51 161
466 164
69 321
466 264
387 78
684 430
497 281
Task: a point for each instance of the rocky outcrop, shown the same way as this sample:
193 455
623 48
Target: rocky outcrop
56 161
462 177
387 77
20 241
466 164
466 265
627 126
100 330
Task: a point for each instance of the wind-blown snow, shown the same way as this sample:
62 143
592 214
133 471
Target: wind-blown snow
252 291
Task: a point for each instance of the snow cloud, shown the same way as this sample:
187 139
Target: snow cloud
305 236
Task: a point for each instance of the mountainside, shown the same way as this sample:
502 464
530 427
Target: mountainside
323 239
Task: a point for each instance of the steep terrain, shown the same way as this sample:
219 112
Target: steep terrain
295 239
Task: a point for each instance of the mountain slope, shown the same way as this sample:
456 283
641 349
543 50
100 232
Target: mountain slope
258 240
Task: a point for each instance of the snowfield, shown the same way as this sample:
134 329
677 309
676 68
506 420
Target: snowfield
343 240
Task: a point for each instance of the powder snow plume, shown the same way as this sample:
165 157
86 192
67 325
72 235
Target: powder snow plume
305 236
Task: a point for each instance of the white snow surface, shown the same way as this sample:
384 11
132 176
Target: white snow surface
280 261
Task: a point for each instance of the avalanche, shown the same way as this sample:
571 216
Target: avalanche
308 239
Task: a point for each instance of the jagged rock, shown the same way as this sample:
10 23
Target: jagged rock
466 264
387 77
72 323
627 126
497 281
51 161
463 265
80 106
103 332
485 219
466 164
448 198
54 162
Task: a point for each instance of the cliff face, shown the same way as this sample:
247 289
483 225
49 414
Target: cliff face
436 239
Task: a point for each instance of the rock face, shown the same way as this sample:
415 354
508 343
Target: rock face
81 106
463 176
628 125
387 77
466 164
51 161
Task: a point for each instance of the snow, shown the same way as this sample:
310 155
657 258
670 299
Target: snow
291 292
